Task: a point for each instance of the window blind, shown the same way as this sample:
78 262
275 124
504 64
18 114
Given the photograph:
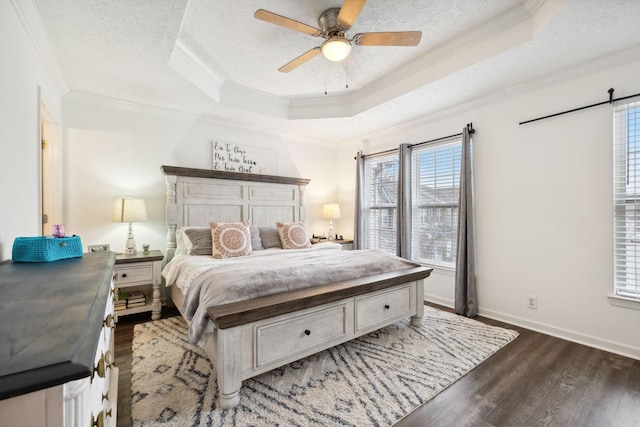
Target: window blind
435 186
626 193
381 187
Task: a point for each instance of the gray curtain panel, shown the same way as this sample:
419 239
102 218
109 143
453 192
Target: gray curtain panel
403 240
358 227
466 298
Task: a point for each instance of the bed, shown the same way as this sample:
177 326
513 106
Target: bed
300 301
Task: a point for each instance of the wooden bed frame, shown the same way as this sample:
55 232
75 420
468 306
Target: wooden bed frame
258 335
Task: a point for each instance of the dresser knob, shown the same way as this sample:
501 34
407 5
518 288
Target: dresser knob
124 275
307 332
386 307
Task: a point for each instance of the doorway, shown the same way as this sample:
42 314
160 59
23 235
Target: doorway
50 170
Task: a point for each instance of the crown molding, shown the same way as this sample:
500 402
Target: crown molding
271 129
29 16
189 65
119 104
618 59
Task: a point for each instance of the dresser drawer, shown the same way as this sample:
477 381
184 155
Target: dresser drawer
382 307
284 338
133 274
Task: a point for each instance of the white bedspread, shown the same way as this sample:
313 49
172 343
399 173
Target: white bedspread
207 282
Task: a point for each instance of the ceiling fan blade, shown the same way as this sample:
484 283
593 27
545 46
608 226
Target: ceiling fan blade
310 54
274 18
400 38
349 12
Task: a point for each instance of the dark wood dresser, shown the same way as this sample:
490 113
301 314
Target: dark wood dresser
56 335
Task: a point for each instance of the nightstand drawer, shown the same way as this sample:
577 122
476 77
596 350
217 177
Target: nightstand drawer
133 274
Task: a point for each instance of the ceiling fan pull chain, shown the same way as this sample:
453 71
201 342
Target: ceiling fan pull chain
325 78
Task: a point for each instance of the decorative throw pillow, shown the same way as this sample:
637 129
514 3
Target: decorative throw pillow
198 240
256 241
270 237
293 235
230 239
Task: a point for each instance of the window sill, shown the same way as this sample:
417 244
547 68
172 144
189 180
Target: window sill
624 302
438 268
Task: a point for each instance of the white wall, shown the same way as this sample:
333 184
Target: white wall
112 151
23 79
543 206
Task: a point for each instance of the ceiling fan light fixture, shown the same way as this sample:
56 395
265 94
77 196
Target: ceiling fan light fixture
336 48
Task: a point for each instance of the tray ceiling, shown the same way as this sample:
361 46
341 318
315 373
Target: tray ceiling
214 58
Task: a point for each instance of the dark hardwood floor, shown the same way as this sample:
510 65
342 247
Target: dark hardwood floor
536 380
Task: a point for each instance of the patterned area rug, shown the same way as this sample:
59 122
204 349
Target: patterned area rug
374 380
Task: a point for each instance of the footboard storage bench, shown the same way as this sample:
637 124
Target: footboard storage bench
256 336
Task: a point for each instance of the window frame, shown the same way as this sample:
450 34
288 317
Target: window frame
452 176
377 231
626 194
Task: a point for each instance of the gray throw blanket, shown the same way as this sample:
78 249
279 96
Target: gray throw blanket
280 272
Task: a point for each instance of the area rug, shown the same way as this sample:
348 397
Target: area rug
374 380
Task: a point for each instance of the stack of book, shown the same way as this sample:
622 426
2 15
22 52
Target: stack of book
129 299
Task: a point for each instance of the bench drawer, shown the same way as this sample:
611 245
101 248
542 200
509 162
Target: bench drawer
282 339
383 307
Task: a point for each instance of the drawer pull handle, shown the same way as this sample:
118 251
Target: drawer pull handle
98 421
100 368
115 277
105 396
307 332
387 307
108 321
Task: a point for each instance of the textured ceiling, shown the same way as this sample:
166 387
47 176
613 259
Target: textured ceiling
212 56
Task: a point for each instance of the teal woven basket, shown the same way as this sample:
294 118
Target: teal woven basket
45 249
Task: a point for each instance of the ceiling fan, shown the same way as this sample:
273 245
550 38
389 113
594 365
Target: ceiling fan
334 23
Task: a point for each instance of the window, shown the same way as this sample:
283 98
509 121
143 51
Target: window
381 197
626 194
435 187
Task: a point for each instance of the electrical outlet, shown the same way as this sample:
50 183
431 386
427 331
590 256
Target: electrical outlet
532 302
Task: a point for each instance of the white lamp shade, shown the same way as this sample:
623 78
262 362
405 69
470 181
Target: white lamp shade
331 211
335 49
129 210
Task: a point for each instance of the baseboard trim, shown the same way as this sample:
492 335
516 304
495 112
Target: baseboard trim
547 329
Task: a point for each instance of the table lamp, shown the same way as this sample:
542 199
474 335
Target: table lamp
130 210
331 211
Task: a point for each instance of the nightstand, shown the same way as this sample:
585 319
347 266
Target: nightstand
140 272
347 245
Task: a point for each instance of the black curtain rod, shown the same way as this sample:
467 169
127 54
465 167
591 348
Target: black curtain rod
469 127
610 101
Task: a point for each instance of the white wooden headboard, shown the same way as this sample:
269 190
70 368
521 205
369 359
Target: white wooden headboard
196 197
